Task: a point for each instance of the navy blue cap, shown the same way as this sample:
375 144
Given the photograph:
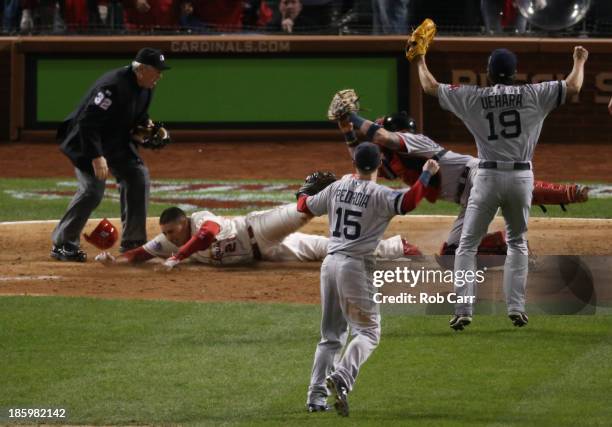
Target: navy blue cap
367 157
153 57
502 64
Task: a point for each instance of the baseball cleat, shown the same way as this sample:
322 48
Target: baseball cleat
460 321
340 393
68 252
518 318
313 407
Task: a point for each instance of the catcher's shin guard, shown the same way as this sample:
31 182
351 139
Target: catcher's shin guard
549 193
491 252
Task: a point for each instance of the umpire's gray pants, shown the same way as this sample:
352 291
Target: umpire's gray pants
347 299
133 181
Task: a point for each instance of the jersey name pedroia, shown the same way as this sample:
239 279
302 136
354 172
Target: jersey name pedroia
359 213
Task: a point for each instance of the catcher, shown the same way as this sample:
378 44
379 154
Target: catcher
263 235
103 134
404 154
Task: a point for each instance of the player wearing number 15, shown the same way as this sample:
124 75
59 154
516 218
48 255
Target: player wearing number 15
505 120
359 212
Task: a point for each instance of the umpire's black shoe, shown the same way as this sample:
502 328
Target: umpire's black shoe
128 245
313 407
339 391
68 252
460 321
518 318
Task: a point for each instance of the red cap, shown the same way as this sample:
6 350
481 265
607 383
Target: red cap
104 236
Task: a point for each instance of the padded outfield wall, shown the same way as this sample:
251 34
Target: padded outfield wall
245 87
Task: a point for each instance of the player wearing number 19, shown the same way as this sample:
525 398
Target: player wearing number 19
506 120
359 212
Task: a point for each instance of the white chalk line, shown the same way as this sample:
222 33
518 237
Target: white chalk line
24 278
535 218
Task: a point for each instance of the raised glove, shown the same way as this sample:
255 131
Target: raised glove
344 102
420 39
315 182
154 137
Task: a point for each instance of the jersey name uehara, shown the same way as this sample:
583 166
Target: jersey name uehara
501 101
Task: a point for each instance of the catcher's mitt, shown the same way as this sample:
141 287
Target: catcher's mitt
153 137
420 39
344 102
315 182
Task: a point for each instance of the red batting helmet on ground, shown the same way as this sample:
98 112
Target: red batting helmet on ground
104 236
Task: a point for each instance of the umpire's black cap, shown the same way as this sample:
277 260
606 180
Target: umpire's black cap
502 64
153 57
367 157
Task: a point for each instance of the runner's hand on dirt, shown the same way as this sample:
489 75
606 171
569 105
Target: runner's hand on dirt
105 258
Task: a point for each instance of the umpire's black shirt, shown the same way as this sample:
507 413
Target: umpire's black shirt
101 124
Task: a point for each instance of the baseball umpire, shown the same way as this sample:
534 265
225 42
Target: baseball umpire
102 134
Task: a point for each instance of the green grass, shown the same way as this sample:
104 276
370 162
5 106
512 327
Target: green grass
16 206
136 362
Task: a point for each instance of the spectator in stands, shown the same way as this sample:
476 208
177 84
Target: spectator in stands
187 20
390 16
40 15
149 15
84 16
220 15
289 18
319 13
499 14
11 15
256 14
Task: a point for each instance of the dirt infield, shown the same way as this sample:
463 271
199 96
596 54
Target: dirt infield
243 160
26 268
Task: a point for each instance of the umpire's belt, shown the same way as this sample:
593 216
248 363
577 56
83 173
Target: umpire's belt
254 245
521 166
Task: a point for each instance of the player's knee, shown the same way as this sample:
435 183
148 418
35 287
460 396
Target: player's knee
372 335
93 196
518 246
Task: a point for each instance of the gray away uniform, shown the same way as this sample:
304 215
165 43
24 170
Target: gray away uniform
359 213
457 172
506 122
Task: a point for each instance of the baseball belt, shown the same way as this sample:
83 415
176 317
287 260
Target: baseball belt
522 166
439 155
254 245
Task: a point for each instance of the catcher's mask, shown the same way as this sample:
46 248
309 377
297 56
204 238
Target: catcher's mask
399 122
501 67
104 235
